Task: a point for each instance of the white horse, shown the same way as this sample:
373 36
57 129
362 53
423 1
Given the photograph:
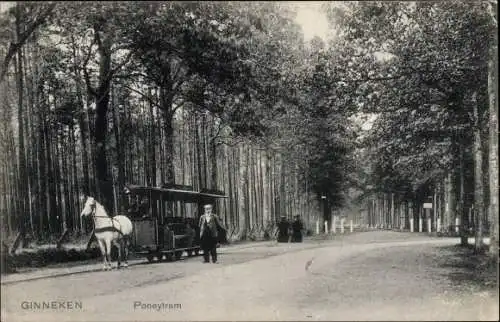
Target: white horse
108 231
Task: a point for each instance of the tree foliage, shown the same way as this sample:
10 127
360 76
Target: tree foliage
419 61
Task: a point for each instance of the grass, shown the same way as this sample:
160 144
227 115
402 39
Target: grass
42 255
470 268
37 255
47 255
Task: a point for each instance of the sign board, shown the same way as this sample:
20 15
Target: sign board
428 205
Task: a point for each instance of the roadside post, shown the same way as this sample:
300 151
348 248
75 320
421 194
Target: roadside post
325 227
351 226
420 222
411 216
428 207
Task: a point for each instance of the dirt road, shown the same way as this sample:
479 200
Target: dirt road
366 276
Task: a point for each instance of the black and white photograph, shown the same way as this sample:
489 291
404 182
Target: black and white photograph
249 161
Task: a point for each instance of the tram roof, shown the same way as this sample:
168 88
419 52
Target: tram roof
172 194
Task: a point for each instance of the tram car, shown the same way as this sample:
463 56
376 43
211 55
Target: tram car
160 232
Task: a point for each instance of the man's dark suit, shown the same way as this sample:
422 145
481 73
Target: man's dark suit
209 236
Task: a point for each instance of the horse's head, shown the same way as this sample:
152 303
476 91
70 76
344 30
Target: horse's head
89 207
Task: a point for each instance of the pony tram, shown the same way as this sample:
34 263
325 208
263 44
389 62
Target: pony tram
160 229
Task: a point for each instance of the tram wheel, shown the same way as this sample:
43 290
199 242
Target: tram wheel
168 257
196 252
178 255
150 258
190 253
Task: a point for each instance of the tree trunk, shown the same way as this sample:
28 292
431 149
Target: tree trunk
461 208
203 140
101 124
478 175
231 190
50 195
248 199
76 184
256 186
242 200
57 181
27 75
66 211
392 225
282 190
42 210
213 163
263 185
152 145
70 164
266 196
183 146
450 202
199 164
22 184
120 159
169 149
384 211
493 142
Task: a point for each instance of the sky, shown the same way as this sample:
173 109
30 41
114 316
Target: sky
4 5
314 22
309 15
312 19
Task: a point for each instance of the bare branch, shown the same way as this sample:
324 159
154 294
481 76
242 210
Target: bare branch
178 106
176 87
145 96
216 136
88 82
177 73
123 63
86 75
15 47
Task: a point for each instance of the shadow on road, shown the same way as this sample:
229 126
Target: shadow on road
465 268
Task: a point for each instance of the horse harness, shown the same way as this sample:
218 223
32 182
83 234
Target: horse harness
104 229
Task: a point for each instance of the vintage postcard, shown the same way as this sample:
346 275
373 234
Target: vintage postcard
249 161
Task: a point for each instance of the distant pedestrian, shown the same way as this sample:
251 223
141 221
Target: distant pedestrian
297 227
283 230
209 231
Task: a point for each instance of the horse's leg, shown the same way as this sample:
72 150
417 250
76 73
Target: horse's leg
107 241
118 244
102 247
125 250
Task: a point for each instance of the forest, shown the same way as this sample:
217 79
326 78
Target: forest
399 104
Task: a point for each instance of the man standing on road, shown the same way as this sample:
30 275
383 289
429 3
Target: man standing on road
283 228
297 227
209 224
